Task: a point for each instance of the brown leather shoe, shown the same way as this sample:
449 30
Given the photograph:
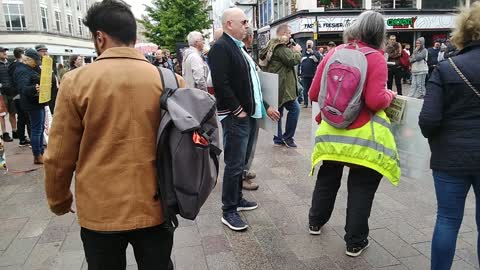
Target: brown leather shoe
247 184
250 175
38 160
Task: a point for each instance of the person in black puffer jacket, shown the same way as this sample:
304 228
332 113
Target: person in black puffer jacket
308 67
450 119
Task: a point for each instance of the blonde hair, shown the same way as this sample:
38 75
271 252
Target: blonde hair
467 26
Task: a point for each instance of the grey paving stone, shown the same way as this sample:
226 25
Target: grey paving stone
34 228
215 244
321 263
258 219
190 258
26 198
53 234
408 233
305 246
16 224
72 242
462 265
6 238
187 237
130 255
63 221
469 256
247 250
43 256
69 260
394 267
18 251
416 263
393 243
222 261
377 256
209 224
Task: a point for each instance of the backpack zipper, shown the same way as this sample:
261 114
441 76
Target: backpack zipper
338 90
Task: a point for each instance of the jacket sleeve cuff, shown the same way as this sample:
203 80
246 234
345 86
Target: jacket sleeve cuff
63 207
237 111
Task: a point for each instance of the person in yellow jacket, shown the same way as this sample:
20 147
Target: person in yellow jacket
367 145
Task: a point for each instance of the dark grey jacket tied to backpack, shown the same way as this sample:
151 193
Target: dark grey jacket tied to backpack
187 148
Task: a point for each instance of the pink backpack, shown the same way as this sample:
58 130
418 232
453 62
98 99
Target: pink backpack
341 87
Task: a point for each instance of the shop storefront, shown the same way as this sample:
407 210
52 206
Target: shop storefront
407 27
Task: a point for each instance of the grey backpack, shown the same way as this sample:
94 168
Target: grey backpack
187 148
342 83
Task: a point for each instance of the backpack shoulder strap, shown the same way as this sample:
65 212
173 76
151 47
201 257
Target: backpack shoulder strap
169 80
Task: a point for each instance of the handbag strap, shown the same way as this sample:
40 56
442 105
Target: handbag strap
467 82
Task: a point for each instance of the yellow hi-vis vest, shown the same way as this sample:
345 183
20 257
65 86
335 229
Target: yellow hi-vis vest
372 146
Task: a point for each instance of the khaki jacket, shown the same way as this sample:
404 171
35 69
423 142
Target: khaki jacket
104 129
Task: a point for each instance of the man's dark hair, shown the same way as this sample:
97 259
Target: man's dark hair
114 18
18 52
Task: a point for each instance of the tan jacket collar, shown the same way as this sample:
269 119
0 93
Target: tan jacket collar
122 52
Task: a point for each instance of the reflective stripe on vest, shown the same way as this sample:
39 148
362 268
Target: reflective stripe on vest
372 145
356 141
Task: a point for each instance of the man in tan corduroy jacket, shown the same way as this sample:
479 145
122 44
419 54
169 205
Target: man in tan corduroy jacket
104 130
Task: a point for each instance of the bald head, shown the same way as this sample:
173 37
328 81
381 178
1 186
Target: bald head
230 14
235 23
217 34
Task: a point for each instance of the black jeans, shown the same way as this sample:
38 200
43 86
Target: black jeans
23 120
398 73
362 185
306 83
237 147
152 248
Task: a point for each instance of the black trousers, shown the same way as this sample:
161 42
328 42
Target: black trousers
398 73
152 248
306 83
23 120
362 185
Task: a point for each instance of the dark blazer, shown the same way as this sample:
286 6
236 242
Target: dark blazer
450 116
231 78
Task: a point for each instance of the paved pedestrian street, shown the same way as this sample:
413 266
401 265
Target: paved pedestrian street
401 223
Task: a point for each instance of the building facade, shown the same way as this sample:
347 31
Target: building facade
55 23
325 20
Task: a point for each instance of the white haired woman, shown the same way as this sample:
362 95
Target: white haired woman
450 119
367 145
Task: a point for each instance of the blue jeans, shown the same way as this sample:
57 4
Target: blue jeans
293 109
451 193
236 148
37 122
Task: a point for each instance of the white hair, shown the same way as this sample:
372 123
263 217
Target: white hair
194 37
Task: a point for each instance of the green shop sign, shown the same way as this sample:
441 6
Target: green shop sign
402 22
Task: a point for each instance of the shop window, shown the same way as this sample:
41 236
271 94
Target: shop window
388 4
340 4
14 17
444 4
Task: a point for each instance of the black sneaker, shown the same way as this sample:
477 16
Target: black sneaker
234 222
15 134
245 205
25 142
6 137
290 143
314 230
357 250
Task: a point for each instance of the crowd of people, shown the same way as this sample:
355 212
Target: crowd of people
107 139
20 86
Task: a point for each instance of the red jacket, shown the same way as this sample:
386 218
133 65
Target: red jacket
375 92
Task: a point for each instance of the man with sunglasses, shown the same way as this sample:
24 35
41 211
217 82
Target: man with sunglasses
240 104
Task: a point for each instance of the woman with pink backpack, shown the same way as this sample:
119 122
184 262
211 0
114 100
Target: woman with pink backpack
354 131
